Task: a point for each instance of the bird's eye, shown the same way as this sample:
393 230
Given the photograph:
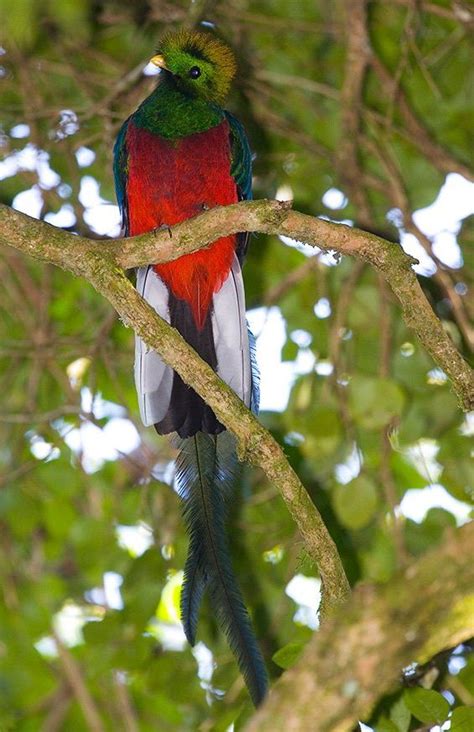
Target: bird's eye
194 72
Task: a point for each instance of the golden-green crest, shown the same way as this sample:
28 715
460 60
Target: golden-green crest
201 65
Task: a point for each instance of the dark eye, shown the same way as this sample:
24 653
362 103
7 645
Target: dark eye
194 72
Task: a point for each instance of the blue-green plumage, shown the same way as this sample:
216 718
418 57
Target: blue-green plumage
206 472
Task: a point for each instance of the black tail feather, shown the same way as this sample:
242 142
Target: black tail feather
206 467
188 413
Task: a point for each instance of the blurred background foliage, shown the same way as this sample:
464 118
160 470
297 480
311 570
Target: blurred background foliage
358 111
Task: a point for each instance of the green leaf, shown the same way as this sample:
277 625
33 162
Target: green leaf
375 402
356 502
427 705
462 719
288 655
400 715
379 562
386 725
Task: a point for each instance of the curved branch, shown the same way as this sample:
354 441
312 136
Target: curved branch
96 262
358 655
78 254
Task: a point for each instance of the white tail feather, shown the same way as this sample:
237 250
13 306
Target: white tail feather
229 328
153 379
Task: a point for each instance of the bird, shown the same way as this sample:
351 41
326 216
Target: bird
178 154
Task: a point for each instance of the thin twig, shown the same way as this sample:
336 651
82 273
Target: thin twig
127 713
385 471
78 686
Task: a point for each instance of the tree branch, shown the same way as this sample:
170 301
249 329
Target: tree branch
97 263
101 264
359 654
87 258
75 679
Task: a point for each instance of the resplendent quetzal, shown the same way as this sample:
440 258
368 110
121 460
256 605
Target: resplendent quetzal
178 154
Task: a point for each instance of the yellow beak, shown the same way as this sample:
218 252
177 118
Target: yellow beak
159 61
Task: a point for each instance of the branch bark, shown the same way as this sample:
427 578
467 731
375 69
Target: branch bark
102 263
97 260
359 654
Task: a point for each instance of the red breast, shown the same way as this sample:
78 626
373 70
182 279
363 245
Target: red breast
172 180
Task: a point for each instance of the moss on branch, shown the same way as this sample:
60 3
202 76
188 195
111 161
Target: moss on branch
103 264
272 217
359 654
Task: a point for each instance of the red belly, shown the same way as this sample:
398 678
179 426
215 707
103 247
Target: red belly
170 181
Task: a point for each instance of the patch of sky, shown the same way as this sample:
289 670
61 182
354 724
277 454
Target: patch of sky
456 664
322 308
334 199
306 593
450 698
64 190
46 647
68 124
305 249
412 246
30 158
134 539
42 450
324 368
166 626
301 337
84 156
441 222
277 377
417 502
436 377
102 216
205 662
345 222
69 622
20 131
109 594
29 202
65 218
165 472
98 406
422 454
350 468
467 427
95 445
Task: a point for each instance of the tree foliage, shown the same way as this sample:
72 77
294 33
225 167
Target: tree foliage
371 99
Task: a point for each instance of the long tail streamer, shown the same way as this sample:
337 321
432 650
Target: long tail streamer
205 472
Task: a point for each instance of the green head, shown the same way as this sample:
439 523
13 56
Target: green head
201 65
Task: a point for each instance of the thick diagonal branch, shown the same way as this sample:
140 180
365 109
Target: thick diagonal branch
360 653
82 256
